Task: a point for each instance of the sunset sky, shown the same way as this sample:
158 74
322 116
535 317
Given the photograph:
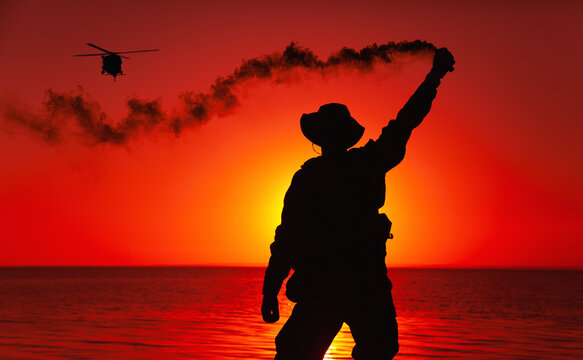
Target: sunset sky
493 177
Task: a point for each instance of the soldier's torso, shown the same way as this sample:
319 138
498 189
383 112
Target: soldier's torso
345 238
344 192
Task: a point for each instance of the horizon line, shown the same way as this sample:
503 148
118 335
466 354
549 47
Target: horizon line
230 265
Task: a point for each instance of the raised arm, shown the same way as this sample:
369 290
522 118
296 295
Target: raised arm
412 114
390 146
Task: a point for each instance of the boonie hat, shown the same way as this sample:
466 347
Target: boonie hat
331 125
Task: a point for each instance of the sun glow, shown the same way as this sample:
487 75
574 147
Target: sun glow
329 355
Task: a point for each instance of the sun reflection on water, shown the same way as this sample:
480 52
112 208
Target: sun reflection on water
329 352
341 347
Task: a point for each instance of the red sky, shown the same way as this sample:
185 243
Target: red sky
491 178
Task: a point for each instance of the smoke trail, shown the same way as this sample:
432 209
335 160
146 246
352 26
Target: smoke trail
89 122
65 113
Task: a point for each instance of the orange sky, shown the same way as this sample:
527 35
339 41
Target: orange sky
491 178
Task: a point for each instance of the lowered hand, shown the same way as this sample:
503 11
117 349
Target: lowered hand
270 309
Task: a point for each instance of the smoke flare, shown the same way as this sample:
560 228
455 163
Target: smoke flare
65 113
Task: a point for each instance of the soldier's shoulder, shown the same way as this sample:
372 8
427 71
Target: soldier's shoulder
311 164
359 150
360 153
305 174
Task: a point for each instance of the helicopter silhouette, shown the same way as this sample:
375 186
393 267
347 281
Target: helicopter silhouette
112 60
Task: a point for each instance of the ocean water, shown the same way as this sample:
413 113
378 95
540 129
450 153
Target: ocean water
213 313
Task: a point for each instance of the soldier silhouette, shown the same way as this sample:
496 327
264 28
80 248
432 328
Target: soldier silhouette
333 236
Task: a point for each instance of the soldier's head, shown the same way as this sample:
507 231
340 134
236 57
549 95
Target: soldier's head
332 128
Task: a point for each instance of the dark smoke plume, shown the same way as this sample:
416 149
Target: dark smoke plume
65 113
77 113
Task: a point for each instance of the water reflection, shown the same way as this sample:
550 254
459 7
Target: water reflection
213 313
341 347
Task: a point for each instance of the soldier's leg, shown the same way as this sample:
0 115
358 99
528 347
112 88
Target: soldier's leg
374 328
308 332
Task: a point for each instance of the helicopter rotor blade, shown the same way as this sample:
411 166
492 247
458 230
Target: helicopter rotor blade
125 57
90 55
98 48
135 51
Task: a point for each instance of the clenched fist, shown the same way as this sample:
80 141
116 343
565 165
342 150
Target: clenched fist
442 62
